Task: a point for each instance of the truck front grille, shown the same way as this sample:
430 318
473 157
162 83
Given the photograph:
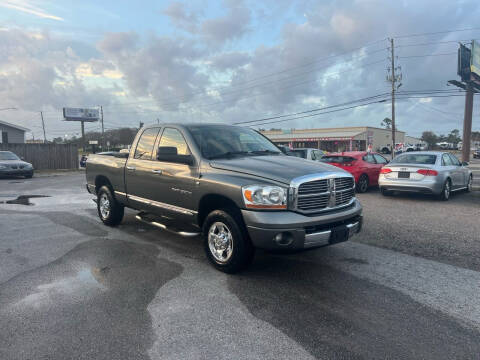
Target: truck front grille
325 194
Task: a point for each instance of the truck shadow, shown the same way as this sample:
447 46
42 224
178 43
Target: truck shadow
333 314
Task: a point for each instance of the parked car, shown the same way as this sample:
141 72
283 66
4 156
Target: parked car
364 166
237 189
308 153
12 165
476 154
431 172
287 151
385 150
83 160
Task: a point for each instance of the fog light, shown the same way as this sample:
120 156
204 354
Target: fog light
283 238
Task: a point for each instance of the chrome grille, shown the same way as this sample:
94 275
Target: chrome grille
313 187
343 183
324 194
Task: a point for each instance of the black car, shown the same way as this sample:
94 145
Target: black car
12 165
476 154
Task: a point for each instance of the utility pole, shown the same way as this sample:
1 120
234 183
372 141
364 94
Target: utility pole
467 123
103 129
393 79
158 121
43 126
83 134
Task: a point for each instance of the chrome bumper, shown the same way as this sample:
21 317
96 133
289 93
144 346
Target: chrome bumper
323 238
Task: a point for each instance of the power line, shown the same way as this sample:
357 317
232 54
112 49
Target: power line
312 110
435 33
426 55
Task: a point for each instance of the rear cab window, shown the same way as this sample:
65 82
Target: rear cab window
424 159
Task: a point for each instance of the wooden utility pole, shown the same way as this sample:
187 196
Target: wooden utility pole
467 123
393 97
103 129
83 134
43 126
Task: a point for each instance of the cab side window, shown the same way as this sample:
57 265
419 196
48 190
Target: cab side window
446 161
174 138
380 159
369 158
144 148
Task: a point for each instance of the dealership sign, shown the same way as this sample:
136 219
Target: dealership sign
80 114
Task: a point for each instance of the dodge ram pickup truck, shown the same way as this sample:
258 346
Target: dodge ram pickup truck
230 184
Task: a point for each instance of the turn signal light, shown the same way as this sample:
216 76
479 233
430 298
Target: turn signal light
427 172
385 171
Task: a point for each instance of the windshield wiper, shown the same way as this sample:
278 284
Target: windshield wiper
266 152
229 154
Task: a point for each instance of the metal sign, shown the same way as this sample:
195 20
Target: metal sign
80 114
464 62
93 142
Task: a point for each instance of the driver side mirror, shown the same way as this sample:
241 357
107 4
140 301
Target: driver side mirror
22 158
464 163
170 154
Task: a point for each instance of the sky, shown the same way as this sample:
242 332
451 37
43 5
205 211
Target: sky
231 61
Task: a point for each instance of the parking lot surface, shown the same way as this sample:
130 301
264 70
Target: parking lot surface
71 288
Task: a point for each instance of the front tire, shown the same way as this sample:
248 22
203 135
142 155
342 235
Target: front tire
226 241
362 185
446 191
109 209
470 184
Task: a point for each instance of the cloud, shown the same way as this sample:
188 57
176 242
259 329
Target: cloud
26 7
180 18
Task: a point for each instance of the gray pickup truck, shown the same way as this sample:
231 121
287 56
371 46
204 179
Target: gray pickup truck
230 184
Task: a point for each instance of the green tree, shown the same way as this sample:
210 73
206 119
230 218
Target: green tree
454 137
386 123
430 138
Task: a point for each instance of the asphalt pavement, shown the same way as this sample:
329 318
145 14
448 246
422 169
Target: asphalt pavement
71 288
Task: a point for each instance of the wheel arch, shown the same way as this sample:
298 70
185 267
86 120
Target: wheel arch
211 202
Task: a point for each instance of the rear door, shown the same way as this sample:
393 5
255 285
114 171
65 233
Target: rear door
370 168
175 191
447 166
460 171
140 172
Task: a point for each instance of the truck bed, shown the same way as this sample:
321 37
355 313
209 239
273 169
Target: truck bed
111 167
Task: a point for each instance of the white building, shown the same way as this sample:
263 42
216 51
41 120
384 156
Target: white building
336 139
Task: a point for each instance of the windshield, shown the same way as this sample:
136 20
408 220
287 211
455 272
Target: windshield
7 155
425 159
217 141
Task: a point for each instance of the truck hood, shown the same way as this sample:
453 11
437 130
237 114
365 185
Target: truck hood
275 167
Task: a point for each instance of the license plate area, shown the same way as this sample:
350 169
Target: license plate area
339 234
403 175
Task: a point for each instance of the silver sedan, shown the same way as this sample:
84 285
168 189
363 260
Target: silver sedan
431 172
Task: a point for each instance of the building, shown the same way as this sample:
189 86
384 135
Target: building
336 139
414 141
12 134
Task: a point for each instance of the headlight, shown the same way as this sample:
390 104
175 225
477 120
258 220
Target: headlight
28 166
264 197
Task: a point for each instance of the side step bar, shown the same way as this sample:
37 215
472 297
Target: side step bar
152 220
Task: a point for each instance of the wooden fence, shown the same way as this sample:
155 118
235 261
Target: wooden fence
46 156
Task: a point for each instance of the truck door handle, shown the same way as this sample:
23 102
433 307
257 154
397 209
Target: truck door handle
131 168
158 172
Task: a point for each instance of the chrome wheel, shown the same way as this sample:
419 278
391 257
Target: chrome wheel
220 242
104 205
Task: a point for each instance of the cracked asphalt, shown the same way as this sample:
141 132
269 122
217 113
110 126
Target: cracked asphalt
71 288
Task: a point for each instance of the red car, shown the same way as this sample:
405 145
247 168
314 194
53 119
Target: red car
364 166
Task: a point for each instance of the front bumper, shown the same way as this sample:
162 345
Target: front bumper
16 172
301 231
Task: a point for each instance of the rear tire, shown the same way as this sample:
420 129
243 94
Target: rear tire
386 192
446 191
109 209
226 241
362 185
